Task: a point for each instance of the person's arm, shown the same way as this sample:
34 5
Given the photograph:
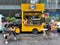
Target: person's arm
26 22
11 29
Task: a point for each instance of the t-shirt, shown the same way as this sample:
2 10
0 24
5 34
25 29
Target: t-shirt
53 26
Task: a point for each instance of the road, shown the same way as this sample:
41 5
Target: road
30 39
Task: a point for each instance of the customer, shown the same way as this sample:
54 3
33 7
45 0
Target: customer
8 31
53 25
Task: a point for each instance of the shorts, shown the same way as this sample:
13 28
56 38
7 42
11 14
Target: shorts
54 31
12 32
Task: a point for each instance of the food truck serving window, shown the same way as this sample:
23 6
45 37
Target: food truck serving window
33 17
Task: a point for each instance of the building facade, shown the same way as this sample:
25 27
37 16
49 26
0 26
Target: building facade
10 7
52 7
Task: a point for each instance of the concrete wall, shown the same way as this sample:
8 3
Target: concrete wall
13 2
9 12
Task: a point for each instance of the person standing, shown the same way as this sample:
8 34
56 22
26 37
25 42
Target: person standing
53 25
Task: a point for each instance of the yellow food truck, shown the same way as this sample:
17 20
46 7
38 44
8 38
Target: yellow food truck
32 17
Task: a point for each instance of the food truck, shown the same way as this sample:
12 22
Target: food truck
32 17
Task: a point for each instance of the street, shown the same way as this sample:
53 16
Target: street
30 39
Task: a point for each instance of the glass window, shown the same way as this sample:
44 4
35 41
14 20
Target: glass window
34 1
40 1
51 3
58 3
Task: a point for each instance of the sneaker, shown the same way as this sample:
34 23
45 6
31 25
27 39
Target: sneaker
4 35
14 38
6 42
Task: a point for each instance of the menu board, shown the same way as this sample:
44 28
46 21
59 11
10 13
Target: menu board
32 13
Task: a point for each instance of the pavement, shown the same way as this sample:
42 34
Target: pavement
31 39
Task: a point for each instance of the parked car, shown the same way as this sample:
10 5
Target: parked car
58 24
16 22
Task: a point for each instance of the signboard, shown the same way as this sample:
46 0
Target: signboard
32 6
46 15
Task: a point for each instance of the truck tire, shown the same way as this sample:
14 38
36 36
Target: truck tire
35 31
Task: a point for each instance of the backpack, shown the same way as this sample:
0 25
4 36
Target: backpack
16 29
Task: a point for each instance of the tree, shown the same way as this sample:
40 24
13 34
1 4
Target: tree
47 19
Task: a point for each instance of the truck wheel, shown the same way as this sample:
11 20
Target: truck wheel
58 30
35 31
